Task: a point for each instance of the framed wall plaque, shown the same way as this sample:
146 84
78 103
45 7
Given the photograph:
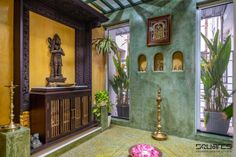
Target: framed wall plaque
159 30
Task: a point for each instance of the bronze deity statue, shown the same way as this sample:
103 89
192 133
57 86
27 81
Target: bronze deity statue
56 60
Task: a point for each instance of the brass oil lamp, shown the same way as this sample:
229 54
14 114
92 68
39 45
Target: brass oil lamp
158 134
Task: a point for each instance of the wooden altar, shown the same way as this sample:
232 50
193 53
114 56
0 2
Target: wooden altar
59 111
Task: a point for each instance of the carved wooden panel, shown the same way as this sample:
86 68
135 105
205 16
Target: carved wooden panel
65 115
77 122
55 115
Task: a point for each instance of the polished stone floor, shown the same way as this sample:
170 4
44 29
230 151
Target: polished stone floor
116 141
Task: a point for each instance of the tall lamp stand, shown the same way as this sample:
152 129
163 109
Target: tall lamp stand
158 134
11 126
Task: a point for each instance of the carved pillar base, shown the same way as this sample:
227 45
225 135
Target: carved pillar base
52 80
104 118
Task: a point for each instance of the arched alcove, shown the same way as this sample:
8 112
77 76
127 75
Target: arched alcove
177 61
158 62
142 63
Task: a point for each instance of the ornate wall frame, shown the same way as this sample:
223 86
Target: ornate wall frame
83 67
159 30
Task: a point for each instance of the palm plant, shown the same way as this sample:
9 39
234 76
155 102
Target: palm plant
105 45
215 93
212 70
120 81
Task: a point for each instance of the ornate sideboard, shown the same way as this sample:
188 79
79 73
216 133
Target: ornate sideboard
59 111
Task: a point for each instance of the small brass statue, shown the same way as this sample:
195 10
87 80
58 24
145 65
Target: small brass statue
158 135
56 60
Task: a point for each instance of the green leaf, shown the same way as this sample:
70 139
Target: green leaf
206 118
208 43
228 111
105 45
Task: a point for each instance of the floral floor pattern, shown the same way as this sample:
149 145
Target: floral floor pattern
116 141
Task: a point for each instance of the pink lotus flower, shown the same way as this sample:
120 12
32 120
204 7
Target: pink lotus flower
144 150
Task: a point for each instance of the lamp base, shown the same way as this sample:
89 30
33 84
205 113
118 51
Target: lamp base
9 128
160 136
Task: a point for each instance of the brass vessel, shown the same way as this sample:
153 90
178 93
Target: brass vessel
25 119
158 134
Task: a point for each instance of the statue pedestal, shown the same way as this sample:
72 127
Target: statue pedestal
56 79
15 144
104 118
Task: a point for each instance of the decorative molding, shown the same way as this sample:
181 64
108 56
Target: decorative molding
88 63
25 62
80 57
45 11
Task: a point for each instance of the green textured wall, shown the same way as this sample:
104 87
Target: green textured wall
178 88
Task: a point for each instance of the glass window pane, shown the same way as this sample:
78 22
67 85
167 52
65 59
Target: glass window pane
113 3
210 22
102 5
121 36
124 2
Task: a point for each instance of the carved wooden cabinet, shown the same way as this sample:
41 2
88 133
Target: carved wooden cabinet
57 112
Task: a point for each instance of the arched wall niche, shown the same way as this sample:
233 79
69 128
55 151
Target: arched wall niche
177 61
142 63
158 62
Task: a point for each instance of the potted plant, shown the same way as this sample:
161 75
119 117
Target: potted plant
120 85
120 81
215 93
102 99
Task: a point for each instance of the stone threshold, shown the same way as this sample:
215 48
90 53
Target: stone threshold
63 146
212 138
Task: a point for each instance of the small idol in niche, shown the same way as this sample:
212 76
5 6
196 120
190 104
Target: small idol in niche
159 66
142 63
143 66
177 65
177 61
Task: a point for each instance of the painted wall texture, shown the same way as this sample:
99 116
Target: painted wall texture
6 56
40 56
178 88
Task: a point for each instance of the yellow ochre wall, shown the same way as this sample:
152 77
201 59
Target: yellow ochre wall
6 56
98 65
40 29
